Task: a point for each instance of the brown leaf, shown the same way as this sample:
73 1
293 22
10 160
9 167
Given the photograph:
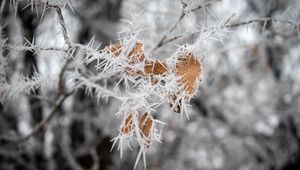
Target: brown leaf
188 69
128 125
145 124
114 49
155 67
136 55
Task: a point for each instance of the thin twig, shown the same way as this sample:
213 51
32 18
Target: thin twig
61 96
203 6
61 86
46 121
69 44
63 26
67 150
230 25
172 28
259 20
31 48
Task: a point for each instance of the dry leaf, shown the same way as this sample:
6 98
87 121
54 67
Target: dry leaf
155 67
188 69
128 125
150 68
114 49
145 124
136 55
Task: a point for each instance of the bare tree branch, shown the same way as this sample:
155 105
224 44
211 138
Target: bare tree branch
61 89
46 121
172 28
231 25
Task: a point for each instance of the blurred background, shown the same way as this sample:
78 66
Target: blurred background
245 116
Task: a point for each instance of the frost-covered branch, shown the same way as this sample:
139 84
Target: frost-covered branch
62 94
212 29
30 47
25 85
126 75
186 9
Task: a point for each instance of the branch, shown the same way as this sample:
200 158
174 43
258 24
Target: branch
61 89
203 6
67 150
45 122
46 3
31 48
63 26
231 25
184 12
259 20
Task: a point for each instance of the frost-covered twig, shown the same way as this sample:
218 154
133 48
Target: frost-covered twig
70 53
163 40
232 25
62 95
30 47
261 20
35 4
63 26
100 92
25 85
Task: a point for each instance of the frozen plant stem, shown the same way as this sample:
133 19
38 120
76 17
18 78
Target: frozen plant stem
62 95
232 25
259 20
68 42
63 26
184 12
32 48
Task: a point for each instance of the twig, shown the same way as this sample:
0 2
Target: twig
67 151
63 26
232 25
61 89
33 3
184 12
259 20
203 6
31 48
68 42
45 122
61 86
